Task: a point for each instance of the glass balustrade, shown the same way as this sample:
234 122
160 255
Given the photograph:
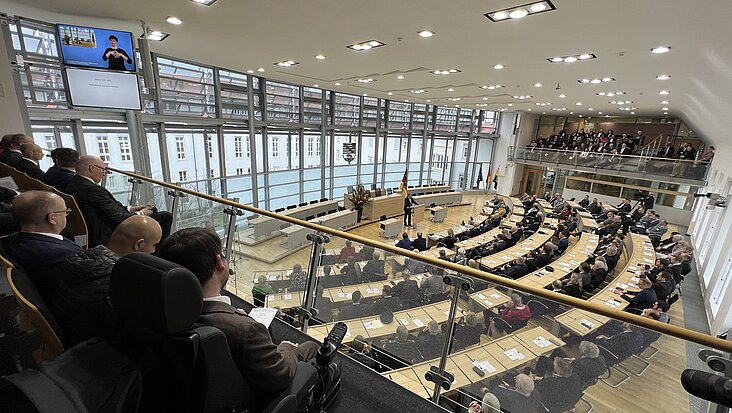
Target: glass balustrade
449 329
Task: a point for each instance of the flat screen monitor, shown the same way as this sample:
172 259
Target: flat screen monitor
103 89
96 48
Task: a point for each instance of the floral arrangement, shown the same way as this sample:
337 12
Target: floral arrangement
360 197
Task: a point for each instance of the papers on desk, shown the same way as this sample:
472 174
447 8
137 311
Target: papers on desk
496 296
634 280
587 324
648 254
541 342
417 322
622 286
514 355
272 277
481 296
373 291
612 303
488 303
287 296
371 325
344 295
263 315
404 321
485 366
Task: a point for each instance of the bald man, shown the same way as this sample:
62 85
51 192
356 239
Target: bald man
102 212
81 302
39 247
11 156
32 154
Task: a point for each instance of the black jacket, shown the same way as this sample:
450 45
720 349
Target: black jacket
58 178
10 158
30 168
102 212
81 302
420 244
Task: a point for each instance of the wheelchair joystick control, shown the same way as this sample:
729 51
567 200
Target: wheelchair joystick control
331 343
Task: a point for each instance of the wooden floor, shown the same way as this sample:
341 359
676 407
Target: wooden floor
658 388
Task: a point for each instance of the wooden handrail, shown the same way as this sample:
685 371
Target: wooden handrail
671 330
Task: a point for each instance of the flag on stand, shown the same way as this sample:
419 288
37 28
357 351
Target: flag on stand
480 176
403 184
495 180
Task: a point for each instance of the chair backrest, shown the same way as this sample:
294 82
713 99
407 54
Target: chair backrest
323 199
34 315
293 206
303 203
610 358
190 368
309 217
279 209
321 214
382 218
674 298
314 201
537 308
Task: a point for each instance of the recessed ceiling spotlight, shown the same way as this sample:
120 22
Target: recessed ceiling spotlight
595 81
571 58
578 104
529 109
485 98
663 77
320 57
562 96
316 86
590 109
571 113
519 12
367 80
337 83
585 56
389 93
157 36
174 20
665 113
664 108
664 92
607 79
261 69
454 99
556 59
426 33
450 90
661 49
204 2
250 71
607 116
498 66
664 102
584 81
418 91
632 113
510 104
400 77
363 46
286 63
428 100
538 84
365 94
599 113
445 71
580 116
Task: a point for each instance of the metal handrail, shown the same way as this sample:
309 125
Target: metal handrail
678 332
512 149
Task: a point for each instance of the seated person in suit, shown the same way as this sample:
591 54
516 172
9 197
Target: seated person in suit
623 344
585 201
590 365
515 271
467 332
386 302
489 404
328 280
403 346
351 272
624 206
355 309
32 153
64 169
547 253
563 242
575 285
261 290
405 242
522 398
431 340
407 290
640 299
267 368
597 275
298 278
374 268
39 248
450 240
558 287
612 256
561 391
433 285
420 243
11 156
361 352
100 209
365 253
81 302
347 251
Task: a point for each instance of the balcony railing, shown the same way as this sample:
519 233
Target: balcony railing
682 169
311 297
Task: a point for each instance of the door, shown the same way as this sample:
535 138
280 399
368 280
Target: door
531 181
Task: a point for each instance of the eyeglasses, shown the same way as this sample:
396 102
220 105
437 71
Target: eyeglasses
66 212
103 168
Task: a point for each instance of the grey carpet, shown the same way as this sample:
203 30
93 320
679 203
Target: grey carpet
695 318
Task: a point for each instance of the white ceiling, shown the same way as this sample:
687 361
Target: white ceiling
245 34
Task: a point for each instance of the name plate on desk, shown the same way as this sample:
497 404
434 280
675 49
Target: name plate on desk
587 324
404 321
372 325
417 322
514 355
541 342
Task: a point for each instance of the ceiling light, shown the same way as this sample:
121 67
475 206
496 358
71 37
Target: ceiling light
518 12
632 113
585 56
661 49
445 71
664 92
363 46
664 108
580 116
320 57
607 79
562 96
556 59
664 102
571 113
590 109
498 66
607 116
400 77
485 98
484 87
316 86
450 90
599 113
426 33
663 77
365 94
529 109
173 20
389 93
417 91
570 59
538 84
453 99
585 81
250 71
286 63
498 86
157 36
427 100
595 81
665 113
510 104
578 104
204 2
337 83
368 80
261 69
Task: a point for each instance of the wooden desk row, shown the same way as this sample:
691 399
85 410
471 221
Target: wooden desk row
586 221
582 322
264 226
569 261
522 248
493 358
393 204
297 235
489 236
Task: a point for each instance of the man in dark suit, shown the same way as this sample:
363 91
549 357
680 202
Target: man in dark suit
624 206
405 242
355 309
101 210
409 203
585 202
267 368
32 153
521 399
420 243
515 271
642 299
63 170
12 155
39 247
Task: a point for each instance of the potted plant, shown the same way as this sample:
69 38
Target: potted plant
359 198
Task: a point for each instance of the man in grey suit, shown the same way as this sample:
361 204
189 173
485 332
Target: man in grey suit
267 368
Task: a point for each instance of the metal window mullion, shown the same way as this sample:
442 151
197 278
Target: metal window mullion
377 134
424 152
252 141
467 156
322 151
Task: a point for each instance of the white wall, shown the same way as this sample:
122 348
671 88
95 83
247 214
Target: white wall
12 117
511 173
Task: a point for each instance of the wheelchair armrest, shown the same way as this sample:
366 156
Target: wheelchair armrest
301 385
